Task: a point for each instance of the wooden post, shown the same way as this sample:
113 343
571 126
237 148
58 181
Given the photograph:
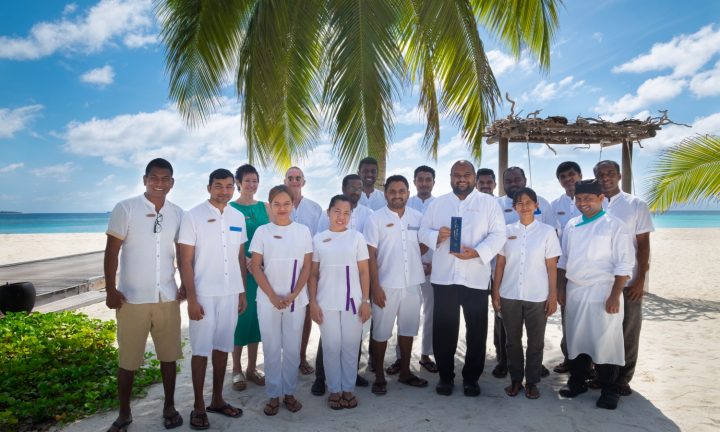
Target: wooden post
502 164
627 151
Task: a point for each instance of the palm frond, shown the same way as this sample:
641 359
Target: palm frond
685 173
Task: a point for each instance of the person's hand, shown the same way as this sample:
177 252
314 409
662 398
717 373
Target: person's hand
636 290
612 305
466 254
114 299
364 312
195 310
551 305
443 234
378 296
316 313
242 303
278 302
561 297
248 264
496 302
427 268
182 293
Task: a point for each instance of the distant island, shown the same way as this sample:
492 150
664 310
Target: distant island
9 212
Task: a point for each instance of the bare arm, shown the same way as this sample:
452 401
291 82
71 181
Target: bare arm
376 291
182 294
187 277
497 280
551 302
114 299
612 304
636 290
364 271
242 261
561 286
315 311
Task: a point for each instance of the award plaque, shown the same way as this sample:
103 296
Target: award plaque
455 230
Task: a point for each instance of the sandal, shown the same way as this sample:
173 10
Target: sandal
238 382
514 388
272 407
350 402
335 401
414 381
379 388
394 368
173 420
531 391
203 420
305 368
292 404
120 425
227 410
256 377
429 365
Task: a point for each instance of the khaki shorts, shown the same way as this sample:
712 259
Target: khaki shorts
135 321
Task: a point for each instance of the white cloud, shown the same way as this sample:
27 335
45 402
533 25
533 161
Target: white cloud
652 90
456 147
139 40
105 22
501 62
674 134
15 120
410 143
598 36
69 8
684 54
12 167
100 76
545 91
407 115
106 180
707 83
59 172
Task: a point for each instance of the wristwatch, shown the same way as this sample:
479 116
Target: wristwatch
365 301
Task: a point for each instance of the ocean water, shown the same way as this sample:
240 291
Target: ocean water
29 223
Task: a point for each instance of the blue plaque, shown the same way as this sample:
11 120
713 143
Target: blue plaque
455 230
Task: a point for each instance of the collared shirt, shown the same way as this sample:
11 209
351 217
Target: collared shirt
147 259
375 201
358 217
283 250
526 250
418 204
543 213
307 213
398 248
483 229
564 209
635 214
217 238
339 282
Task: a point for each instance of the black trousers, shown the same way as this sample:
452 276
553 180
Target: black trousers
446 326
607 373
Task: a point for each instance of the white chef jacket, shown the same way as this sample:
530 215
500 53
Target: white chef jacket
307 213
421 206
358 216
376 200
564 209
339 281
543 213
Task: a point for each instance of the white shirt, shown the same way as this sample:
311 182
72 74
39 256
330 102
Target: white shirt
543 213
283 250
147 259
375 201
307 213
483 229
635 214
398 248
564 209
526 250
339 283
358 216
217 238
418 204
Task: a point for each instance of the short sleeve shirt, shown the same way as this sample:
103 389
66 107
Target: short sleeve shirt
564 209
338 254
307 213
358 217
376 200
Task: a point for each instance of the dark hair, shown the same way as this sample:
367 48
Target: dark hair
219 174
158 163
589 186
607 161
485 172
512 168
244 170
567 166
277 190
337 198
396 178
424 168
368 161
349 177
525 191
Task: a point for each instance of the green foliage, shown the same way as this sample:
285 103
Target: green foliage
58 367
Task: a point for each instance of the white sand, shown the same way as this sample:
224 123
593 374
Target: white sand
675 386
16 248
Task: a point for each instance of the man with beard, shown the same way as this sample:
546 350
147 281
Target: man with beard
396 273
368 172
461 278
485 181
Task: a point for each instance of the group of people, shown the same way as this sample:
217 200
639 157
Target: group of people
254 271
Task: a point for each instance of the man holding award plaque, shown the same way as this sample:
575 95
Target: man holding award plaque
465 229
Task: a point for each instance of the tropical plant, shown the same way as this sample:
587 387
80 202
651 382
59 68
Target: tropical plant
301 65
688 172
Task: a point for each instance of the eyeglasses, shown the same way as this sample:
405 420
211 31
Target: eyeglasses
158 223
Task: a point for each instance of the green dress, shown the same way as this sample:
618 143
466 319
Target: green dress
247 330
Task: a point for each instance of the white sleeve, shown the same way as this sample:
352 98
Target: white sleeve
644 219
552 245
371 232
427 234
187 234
623 253
562 262
316 243
307 239
119 221
257 244
496 238
361 247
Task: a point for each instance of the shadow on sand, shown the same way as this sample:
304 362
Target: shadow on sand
657 308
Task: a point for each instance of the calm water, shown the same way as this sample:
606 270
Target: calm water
27 223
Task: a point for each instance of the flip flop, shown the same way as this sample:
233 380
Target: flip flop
120 425
531 391
305 368
335 401
205 424
172 421
292 404
350 403
394 368
256 377
239 383
227 410
429 365
513 389
379 388
414 381
272 407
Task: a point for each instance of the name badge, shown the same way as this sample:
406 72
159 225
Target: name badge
277 236
561 213
508 210
327 240
150 215
211 220
390 225
413 228
512 237
235 228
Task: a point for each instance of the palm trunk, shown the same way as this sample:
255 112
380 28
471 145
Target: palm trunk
382 168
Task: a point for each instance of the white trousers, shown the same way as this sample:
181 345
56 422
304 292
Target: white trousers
216 330
281 334
341 334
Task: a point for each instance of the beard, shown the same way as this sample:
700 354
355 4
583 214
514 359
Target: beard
462 190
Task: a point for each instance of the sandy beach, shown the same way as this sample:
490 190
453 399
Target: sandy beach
674 389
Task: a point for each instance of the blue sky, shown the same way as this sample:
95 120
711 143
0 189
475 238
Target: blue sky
83 101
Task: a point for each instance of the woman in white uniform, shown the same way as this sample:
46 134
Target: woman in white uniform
524 291
281 261
339 289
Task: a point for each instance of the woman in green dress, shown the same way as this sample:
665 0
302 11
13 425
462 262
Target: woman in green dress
247 331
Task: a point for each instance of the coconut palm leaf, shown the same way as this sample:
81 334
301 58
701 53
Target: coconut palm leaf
687 172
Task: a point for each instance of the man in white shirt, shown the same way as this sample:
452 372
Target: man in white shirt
146 299
636 215
213 271
568 173
306 212
352 188
368 171
461 279
396 273
513 180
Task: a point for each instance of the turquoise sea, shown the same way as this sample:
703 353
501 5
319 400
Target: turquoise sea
27 223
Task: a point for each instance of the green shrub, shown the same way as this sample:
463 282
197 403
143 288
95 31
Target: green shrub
58 367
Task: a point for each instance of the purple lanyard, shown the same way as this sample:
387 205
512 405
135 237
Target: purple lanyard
348 300
292 285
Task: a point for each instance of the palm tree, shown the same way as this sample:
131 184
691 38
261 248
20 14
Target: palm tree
300 65
687 172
